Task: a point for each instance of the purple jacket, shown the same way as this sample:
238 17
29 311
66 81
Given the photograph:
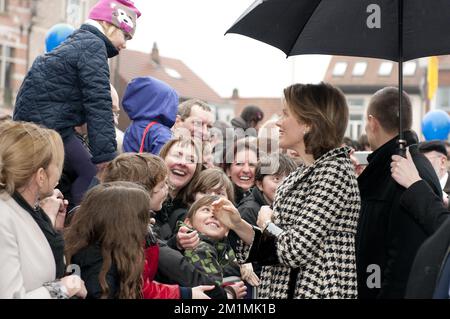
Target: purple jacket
149 100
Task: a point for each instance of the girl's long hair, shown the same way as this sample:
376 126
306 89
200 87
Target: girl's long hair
114 216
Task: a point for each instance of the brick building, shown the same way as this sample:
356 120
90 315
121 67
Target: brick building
23 26
359 78
15 18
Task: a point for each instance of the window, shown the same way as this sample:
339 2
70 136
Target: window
355 102
173 73
409 68
3 6
6 71
84 10
443 98
385 69
73 11
360 68
340 68
355 126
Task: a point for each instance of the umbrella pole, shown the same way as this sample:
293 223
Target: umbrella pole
401 140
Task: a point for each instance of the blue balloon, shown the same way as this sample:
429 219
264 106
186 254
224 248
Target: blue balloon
436 125
57 35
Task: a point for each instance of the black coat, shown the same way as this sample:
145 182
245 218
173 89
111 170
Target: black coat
176 216
446 188
250 205
387 236
90 261
54 238
239 194
70 86
164 228
428 210
249 210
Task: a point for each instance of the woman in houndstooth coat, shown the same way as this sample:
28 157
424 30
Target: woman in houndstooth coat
308 240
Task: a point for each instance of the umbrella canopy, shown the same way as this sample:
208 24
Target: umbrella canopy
397 30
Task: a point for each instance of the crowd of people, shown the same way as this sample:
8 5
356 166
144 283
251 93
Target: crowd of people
185 207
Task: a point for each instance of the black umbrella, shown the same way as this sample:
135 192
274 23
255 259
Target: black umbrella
397 30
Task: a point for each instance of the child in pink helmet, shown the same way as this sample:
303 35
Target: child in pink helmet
70 86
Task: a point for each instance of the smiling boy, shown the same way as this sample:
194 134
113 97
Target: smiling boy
213 256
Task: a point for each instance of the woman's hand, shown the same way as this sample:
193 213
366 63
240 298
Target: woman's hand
74 286
199 292
186 239
240 289
55 207
229 216
403 170
249 275
226 213
264 216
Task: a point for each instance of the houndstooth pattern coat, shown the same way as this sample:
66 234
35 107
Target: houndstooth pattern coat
317 207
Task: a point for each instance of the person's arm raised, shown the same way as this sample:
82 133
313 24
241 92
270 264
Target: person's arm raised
229 216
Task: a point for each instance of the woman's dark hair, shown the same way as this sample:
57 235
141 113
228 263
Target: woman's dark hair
115 216
247 143
252 113
324 108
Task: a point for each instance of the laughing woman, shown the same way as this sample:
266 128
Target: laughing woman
308 241
240 165
183 160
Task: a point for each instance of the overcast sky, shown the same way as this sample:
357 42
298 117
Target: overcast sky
193 31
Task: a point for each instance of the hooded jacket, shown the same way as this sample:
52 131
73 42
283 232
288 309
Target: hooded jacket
69 87
148 100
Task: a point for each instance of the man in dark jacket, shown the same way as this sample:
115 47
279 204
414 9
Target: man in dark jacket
387 237
429 274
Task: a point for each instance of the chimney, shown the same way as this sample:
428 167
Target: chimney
235 95
155 54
